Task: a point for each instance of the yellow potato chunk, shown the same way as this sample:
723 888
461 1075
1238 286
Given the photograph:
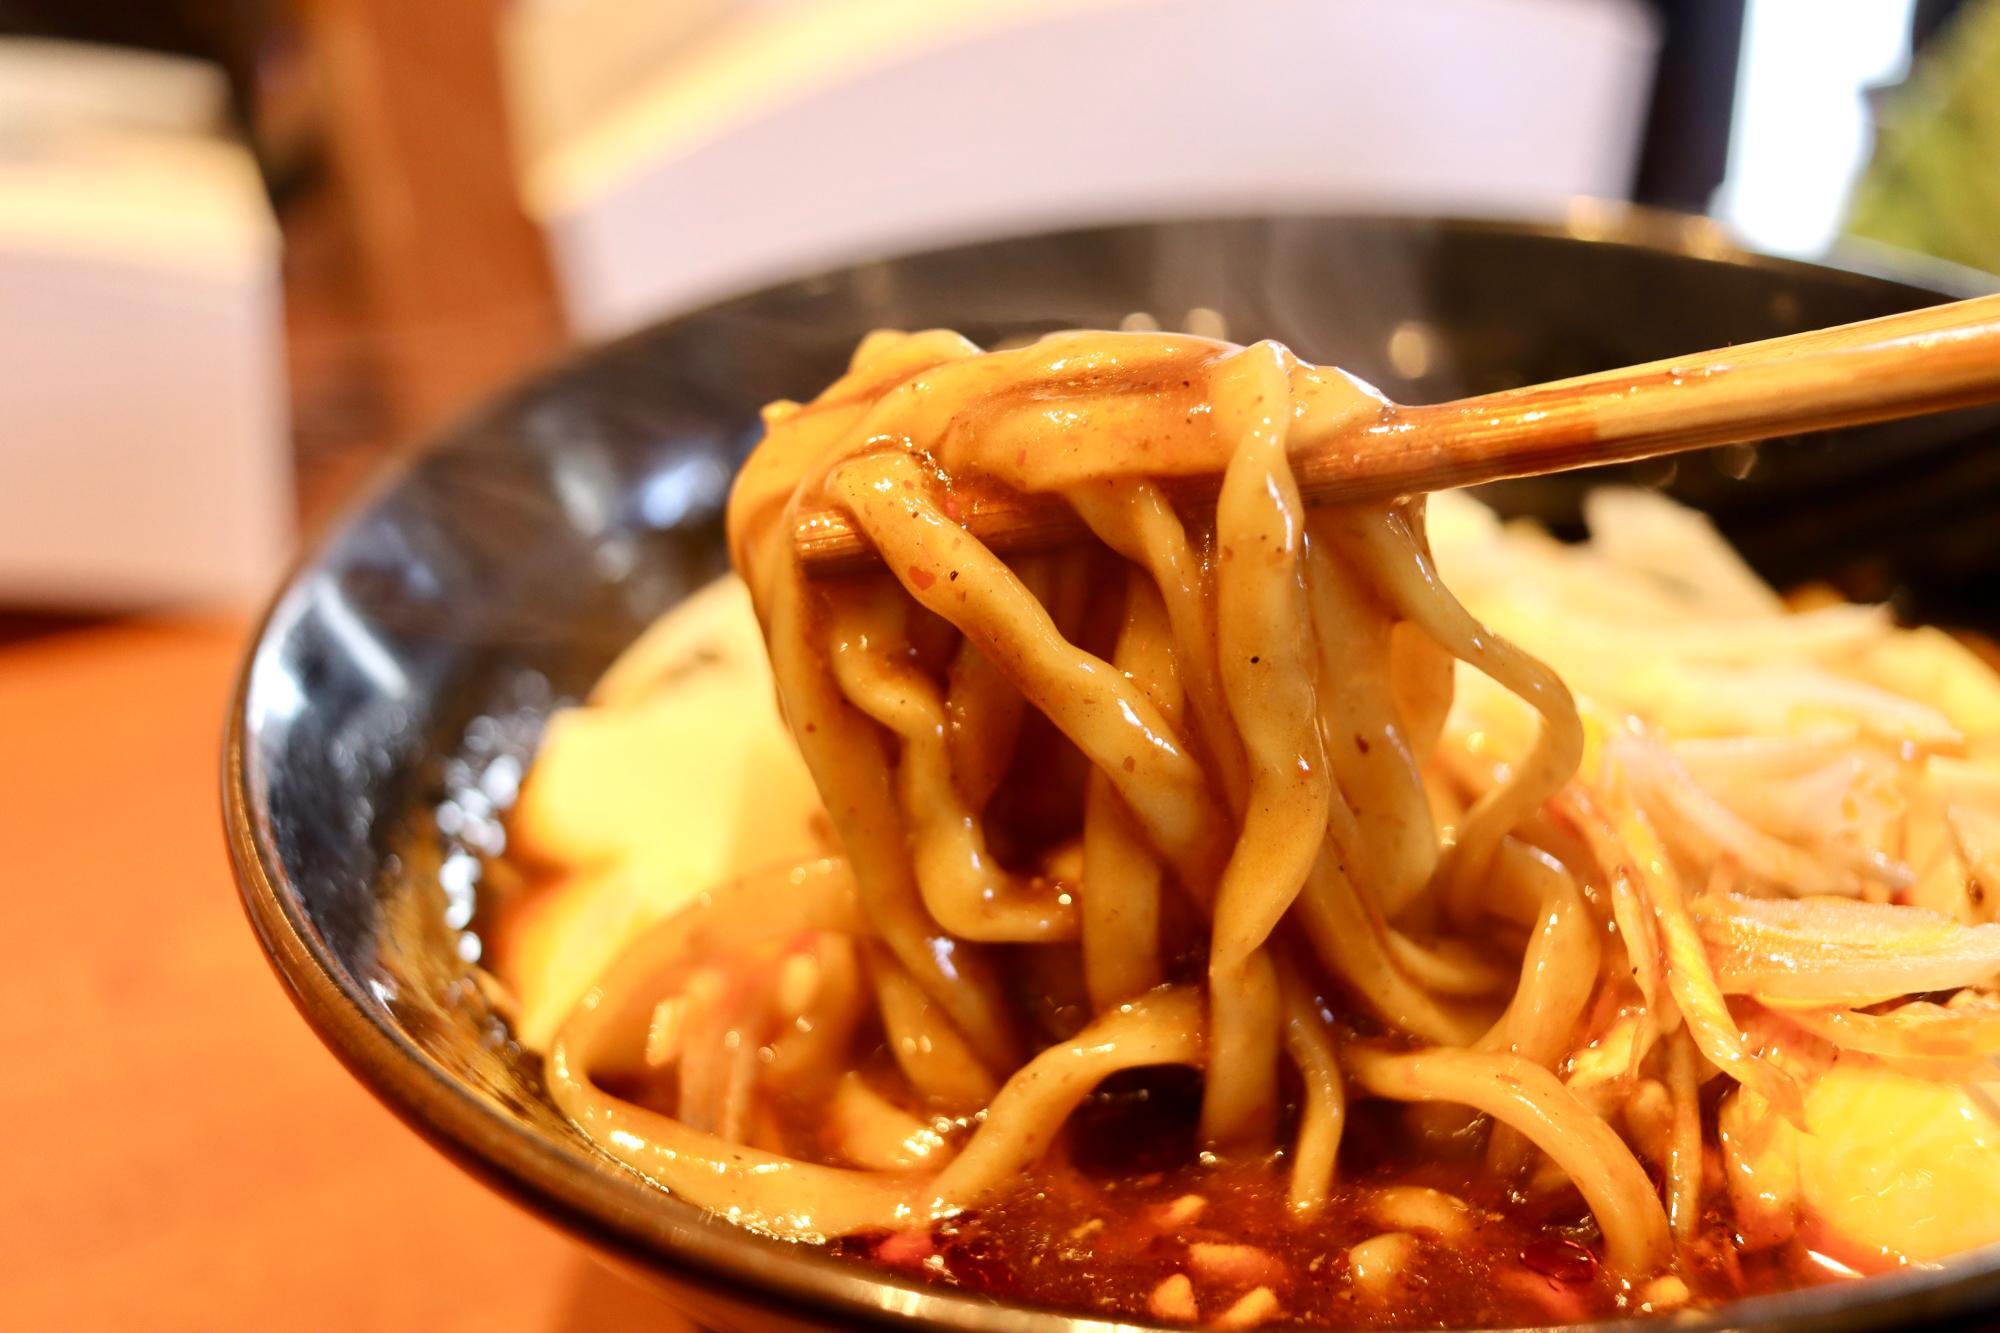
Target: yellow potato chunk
1902 1166
556 942
695 779
677 776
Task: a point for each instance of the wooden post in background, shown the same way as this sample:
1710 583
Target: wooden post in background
454 275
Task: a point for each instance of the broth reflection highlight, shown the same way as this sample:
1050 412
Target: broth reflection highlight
1223 922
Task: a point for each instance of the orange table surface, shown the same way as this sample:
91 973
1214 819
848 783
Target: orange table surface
179 1150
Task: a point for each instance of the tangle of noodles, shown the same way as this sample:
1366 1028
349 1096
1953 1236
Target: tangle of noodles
1207 792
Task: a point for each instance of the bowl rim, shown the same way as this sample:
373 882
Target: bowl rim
619 1211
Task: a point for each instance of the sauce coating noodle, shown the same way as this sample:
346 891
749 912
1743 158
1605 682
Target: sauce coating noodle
1230 861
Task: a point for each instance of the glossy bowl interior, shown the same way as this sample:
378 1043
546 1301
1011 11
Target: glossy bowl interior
395 691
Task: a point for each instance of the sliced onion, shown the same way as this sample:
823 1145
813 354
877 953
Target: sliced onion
1916 1031
1839 951
1976 836
1644 530
1706 699
1674 797
1720 760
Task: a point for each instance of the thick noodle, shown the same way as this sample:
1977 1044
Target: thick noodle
1194 793
1253 745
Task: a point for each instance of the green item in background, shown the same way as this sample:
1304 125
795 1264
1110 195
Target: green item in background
1933 183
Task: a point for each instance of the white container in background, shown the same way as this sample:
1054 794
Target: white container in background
144 454
819 130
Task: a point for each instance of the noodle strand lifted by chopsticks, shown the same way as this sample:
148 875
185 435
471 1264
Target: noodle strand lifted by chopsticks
1194 794
1206 734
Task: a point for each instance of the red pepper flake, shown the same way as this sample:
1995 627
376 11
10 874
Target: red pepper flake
1021 458
923 578
1130 763
905 1248
950 507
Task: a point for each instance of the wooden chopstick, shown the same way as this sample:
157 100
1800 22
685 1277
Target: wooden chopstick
1921 361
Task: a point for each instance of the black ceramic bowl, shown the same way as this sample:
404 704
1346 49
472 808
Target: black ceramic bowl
404 669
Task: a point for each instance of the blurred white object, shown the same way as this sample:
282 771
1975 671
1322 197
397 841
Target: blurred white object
566 62
806 133
144 457
59 85
1802 130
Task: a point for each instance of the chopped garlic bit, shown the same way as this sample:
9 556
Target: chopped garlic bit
1241 1264
1663 1293
1182 1212
1376 1265
1174 1299
1415 1208
1251 1309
